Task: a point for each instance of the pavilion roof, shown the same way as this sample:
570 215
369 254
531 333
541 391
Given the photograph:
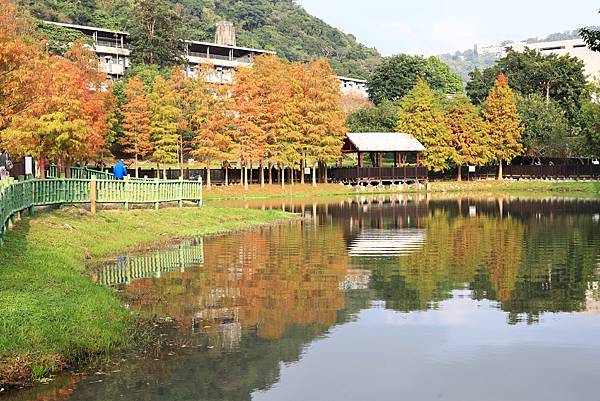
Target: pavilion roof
384 142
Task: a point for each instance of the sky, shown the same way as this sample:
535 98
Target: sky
432 27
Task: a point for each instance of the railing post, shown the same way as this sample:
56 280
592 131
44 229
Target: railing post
126 192
180 192
201 192
61 190
93 194
156 194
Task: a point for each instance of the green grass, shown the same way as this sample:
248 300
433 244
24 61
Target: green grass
573 188
533 187
51 313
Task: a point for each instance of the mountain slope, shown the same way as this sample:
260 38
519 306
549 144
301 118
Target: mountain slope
280 25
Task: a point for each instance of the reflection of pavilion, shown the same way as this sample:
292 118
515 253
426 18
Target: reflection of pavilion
387 242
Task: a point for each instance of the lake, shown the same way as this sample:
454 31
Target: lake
367 298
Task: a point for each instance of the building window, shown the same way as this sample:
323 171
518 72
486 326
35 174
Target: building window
545 49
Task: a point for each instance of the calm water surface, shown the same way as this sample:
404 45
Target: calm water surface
370 299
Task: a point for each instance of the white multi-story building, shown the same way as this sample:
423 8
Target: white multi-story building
353 87
498 51
574 48
112 48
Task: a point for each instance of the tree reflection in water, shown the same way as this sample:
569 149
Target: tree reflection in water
248 302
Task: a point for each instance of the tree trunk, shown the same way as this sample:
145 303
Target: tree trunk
292 175
261 174
459 175
68 169
251 175
302 170
241 173
181 156
226 176
326 178
270 173
42 164
245 178
208 176
314 175
137 167
157 171
500 170
282 176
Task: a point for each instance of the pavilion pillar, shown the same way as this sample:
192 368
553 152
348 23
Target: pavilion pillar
360 159
395 159
418 159
380 159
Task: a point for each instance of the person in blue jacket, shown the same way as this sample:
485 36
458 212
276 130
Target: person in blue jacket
120 170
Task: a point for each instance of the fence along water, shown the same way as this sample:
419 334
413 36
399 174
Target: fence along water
23 195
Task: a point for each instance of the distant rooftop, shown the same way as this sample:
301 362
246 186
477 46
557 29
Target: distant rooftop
93 28
385 142
249 49
342 78
85 27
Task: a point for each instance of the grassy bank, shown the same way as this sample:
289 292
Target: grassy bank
50 313
524 186
492 186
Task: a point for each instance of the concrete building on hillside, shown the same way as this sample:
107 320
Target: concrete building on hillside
498 51
353 87
112 48
574 48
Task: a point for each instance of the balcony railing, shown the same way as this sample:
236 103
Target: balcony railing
243 59
111 43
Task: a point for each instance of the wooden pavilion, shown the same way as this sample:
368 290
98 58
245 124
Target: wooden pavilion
393 158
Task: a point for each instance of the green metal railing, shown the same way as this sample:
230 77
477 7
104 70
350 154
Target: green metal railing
126 269
19 196
79 172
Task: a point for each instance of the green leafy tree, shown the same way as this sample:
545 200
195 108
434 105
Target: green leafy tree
545 127
469 134
479 86
422 116
559 78
381 118
591 37
504 122
397 75
157 35
589 123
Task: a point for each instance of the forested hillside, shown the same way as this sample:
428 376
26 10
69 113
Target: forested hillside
280 25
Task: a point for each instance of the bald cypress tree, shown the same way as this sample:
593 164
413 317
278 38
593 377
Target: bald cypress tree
504 122
470 137
422 116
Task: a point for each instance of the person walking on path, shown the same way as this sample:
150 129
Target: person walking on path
120 170
5 165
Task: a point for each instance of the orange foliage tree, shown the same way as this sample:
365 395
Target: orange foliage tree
67 117
214 130
136 121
